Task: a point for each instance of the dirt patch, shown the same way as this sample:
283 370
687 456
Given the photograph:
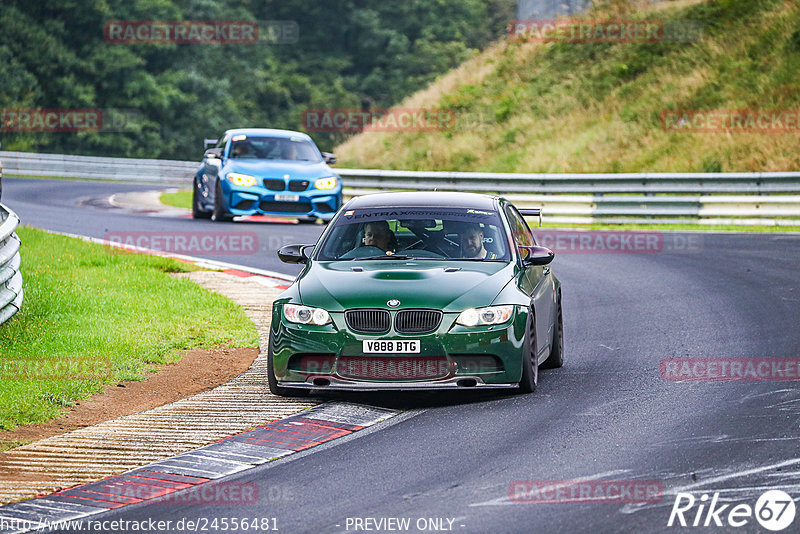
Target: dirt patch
197 371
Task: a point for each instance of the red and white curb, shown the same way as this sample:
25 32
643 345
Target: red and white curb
190 472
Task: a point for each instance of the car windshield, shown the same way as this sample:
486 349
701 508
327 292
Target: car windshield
283 148
416 233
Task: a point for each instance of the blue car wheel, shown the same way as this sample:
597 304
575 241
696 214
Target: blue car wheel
220 213
197 209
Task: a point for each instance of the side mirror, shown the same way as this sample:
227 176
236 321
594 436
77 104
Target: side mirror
329 158
293 253
536 255
215 153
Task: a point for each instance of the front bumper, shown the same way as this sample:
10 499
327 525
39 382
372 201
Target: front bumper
257 200
334 383
473 358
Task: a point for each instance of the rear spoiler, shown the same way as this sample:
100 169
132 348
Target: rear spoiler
532 212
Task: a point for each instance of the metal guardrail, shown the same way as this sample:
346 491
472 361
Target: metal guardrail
771 198
123 169
10 260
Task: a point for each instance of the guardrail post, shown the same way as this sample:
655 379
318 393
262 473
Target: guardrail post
10 261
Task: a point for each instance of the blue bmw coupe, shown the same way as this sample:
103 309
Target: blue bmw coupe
257 171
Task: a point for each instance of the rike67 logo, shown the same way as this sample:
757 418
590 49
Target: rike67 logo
774 510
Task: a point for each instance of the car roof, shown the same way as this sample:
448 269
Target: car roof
419 199
267 131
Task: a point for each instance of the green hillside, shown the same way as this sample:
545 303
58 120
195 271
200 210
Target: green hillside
581 107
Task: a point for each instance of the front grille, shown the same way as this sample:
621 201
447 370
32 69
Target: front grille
368 321
298 185
285 207
274 184
417 321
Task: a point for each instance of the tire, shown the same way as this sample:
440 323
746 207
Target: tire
219 215
556 358
197 212
530 366
273 381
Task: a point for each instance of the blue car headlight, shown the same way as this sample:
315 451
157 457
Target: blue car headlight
242 180
326 183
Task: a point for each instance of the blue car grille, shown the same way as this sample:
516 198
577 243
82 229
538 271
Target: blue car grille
273 184
285 207
298 185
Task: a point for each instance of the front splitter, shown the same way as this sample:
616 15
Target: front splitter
336 383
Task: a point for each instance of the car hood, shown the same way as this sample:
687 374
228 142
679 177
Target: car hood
416 284
270 168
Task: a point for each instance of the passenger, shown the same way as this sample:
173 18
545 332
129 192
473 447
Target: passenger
471 236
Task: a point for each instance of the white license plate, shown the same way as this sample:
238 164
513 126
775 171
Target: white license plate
391 346
287 198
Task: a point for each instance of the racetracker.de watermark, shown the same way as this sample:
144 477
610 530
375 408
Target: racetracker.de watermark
224 32
622 242
604 31
237 243
586 491
378 120
731 121
53 120
213 493
56 368
730 369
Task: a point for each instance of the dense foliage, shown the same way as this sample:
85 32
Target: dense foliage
350 53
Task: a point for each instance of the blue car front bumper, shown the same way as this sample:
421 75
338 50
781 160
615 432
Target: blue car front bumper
257 200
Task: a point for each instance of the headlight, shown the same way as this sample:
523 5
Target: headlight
242 180
295 313
326 183
485 316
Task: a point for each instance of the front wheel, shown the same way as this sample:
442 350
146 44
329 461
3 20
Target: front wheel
220 215
197 211
556 358
530 364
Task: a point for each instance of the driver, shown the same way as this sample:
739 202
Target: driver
290 152
241 150
378 234
471 236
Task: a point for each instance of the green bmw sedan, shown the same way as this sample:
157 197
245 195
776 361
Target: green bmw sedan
411 291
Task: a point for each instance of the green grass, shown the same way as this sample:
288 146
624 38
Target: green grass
181 199
122 313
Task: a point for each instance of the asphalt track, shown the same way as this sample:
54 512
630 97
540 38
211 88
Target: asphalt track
606 415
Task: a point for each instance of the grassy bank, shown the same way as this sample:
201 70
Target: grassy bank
581 107
113 315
